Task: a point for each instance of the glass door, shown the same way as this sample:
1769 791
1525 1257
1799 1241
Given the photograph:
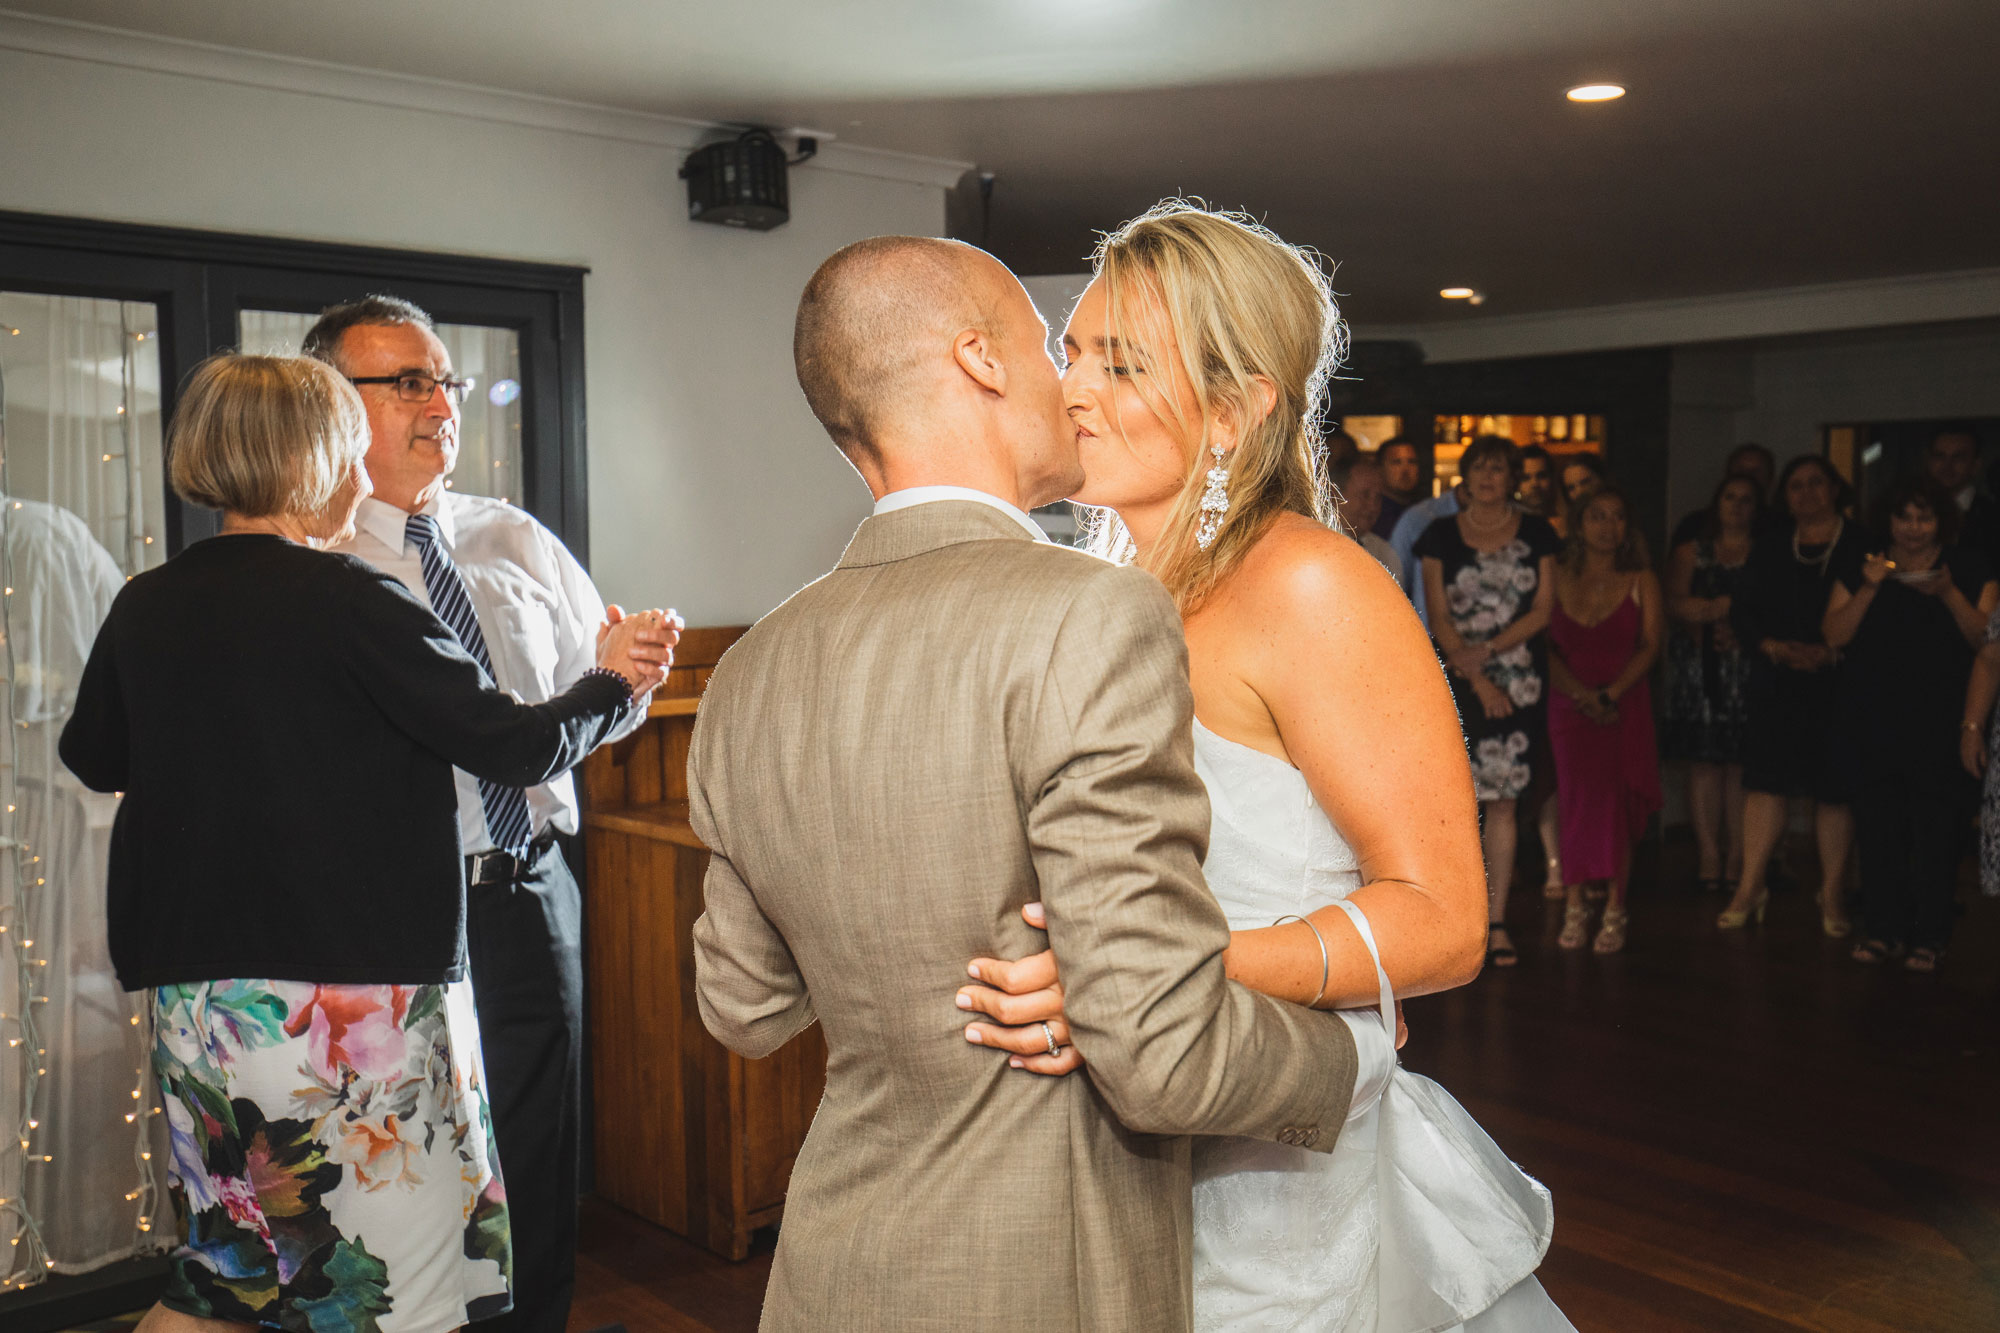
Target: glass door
82 509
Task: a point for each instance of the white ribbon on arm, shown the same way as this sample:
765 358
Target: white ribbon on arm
1374 1047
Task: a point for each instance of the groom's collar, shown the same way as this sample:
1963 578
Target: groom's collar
919 495
920 528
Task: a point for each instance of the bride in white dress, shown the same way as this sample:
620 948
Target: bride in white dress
1338 776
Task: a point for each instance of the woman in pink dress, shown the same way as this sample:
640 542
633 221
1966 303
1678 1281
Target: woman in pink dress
1605 634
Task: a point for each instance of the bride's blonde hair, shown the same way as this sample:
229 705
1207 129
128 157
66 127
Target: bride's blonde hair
1239 303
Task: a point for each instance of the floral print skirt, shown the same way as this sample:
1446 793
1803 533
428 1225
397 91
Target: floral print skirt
333 1156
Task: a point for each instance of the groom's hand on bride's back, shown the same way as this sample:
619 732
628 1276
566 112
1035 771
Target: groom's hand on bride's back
1025 999
1022 995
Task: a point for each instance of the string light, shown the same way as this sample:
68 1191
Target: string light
21 906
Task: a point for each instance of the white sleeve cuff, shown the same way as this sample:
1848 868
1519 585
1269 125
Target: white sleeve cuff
1374 1058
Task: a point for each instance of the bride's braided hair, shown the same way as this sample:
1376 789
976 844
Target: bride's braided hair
1238 302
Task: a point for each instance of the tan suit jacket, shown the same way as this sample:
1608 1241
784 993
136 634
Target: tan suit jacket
956 721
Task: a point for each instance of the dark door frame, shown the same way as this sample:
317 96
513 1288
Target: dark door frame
201 279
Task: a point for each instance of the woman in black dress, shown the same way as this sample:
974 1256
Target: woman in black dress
1787 738
1708 676
1489 586
1909 620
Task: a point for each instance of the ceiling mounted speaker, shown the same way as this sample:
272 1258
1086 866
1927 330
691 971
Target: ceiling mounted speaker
740 182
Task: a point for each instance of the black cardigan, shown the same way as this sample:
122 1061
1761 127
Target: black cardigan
283 723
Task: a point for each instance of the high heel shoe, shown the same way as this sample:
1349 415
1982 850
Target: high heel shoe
1834 920
1611 935
1576 926
1732 919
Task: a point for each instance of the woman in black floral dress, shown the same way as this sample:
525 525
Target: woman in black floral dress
1489 585
1707 676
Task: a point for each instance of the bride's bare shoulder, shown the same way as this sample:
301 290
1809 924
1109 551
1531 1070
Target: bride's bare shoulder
1299 565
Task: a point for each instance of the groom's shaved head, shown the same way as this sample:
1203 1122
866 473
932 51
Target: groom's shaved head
876 322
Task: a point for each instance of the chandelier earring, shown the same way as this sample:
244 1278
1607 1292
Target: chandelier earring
1214 502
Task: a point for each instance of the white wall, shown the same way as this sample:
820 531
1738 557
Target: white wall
711 487
1939 370
1781 392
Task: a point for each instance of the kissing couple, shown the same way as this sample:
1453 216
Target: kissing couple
967 745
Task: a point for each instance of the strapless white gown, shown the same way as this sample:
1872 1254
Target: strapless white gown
1416 1222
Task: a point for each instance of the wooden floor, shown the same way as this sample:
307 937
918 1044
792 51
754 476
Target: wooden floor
1743 1132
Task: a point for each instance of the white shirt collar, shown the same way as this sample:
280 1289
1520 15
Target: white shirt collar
917 495
386 523
1966 494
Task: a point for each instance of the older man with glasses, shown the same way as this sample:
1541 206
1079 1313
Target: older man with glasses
526 611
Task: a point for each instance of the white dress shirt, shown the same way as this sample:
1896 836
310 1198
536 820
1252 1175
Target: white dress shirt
537 609
917 495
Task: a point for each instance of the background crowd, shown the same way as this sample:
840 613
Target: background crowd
1806 651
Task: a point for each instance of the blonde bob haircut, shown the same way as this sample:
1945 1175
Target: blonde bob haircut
264 436
1239 303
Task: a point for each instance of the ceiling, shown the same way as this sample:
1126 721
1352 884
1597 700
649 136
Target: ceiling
1418 143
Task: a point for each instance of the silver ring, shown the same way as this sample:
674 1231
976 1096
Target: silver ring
1049 1033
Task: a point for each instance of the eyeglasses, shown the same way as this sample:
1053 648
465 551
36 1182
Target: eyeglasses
416 387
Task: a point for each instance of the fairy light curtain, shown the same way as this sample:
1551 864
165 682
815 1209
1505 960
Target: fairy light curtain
489 428
82 507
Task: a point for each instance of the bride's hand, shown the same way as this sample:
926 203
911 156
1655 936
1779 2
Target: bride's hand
1020 997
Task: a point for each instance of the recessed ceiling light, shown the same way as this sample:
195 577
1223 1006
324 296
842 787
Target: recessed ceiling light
1596 92
1457 293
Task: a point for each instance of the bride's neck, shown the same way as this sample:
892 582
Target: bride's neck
1143 524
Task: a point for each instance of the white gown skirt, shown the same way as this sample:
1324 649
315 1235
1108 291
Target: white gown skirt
1416 1222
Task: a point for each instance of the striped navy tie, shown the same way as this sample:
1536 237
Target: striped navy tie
507 818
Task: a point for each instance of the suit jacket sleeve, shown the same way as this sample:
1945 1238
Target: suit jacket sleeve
747 985
1118 823
413 668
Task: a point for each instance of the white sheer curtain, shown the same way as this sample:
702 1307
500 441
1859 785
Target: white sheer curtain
82 507
489 428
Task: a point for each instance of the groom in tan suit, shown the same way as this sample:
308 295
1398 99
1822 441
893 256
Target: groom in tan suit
959 719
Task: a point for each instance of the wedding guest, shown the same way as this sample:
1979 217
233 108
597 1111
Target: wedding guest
1488 571
1775 614
1978 734
285 875
1411 527
1402 482
1753 461
525 609
1339 446
1952 461
1605 633
1582 474
1536 494
1537 491
1357 489
1708 677
1909 620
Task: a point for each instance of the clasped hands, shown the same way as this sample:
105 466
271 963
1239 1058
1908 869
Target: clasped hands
1023 995
639 646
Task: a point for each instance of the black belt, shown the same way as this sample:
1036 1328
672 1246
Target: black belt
498 867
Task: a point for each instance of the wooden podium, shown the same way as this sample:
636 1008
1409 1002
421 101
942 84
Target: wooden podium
688 1134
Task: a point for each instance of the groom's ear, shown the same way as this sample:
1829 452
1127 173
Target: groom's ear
977 353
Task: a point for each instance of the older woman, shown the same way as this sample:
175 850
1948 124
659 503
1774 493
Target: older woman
1489 580
285 875
1788 732
1910 620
